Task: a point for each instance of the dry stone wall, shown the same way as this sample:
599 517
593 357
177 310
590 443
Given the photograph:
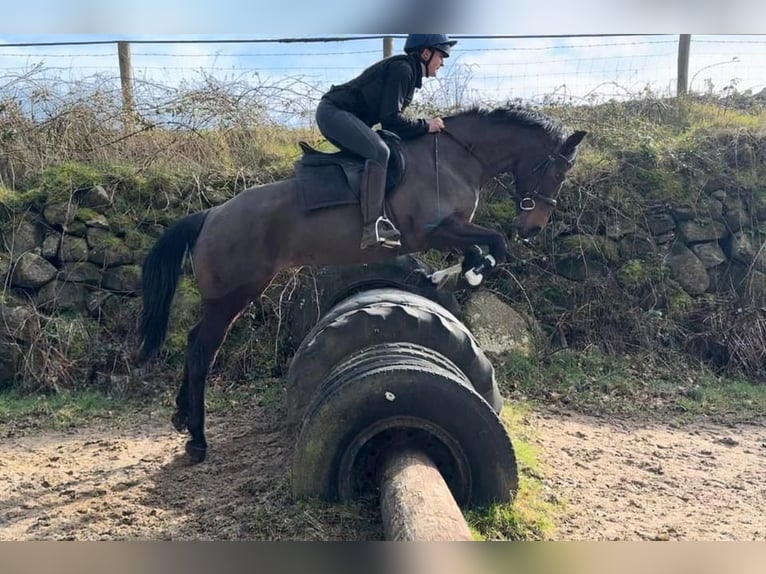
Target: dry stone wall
716 246
63 264
71 273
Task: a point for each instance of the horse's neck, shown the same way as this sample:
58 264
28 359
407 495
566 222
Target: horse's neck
498 147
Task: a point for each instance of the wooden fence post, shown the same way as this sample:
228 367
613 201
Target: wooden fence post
684 43
388 46
126 79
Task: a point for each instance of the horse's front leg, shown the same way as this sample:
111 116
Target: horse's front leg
472 258
454 233
475 263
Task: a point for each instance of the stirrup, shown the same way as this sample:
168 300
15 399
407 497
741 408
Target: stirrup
389 242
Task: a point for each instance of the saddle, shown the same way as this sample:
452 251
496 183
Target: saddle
330 179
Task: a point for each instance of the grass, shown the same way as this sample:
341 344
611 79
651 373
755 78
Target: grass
637 386
23 413
532 514
712 116
735 400
222 397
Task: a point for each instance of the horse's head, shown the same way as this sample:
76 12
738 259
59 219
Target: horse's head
538 183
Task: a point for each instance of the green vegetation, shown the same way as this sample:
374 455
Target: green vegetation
6 195
636 274
184 313
532 514
227 395
634 385
22 413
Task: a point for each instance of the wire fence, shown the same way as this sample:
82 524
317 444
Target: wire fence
483 70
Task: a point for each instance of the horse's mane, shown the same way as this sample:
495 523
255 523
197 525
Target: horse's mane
518 116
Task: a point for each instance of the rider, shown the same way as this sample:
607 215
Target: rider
380 94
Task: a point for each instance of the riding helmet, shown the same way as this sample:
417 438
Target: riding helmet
417 42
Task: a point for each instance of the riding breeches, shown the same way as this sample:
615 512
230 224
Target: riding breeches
347 132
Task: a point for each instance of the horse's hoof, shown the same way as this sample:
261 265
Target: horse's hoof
196 453
474 279
179 421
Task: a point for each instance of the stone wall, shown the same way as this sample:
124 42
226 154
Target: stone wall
71 273
717 245
64 265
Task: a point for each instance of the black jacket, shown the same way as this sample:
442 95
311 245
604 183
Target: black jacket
381 93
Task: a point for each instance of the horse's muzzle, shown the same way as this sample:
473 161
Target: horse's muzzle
529 233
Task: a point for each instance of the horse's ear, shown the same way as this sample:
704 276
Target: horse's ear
569 146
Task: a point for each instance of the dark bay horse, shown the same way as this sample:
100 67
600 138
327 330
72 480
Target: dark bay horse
239 246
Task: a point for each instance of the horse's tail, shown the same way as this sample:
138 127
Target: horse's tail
159 279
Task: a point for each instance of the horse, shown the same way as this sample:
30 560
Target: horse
237 247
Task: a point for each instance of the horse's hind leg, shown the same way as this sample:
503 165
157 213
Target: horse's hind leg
181 416
217 316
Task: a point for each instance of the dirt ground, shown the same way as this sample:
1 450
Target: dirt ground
630 481
619 480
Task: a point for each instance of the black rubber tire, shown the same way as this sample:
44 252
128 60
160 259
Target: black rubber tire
397 395
377 356
323 288
384 316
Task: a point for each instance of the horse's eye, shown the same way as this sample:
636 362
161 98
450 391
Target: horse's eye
559 176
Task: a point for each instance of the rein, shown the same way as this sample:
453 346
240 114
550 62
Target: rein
461 143
465 146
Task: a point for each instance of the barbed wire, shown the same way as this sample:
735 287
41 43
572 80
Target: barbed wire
517 67
325 67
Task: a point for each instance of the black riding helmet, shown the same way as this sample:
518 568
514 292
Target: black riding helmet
417 42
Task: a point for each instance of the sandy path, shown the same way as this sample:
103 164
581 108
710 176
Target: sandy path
628 481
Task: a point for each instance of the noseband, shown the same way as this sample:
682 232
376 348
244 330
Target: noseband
529 201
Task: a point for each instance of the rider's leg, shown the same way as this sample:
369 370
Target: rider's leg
377 230
350 133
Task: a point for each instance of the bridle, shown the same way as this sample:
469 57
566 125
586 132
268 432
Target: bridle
529 201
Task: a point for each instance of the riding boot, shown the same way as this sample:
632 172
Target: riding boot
377 230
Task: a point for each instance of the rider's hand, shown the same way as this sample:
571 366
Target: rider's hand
435 125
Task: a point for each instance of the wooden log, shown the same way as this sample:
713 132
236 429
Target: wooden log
416 503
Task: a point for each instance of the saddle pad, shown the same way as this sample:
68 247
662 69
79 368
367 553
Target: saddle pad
326 185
